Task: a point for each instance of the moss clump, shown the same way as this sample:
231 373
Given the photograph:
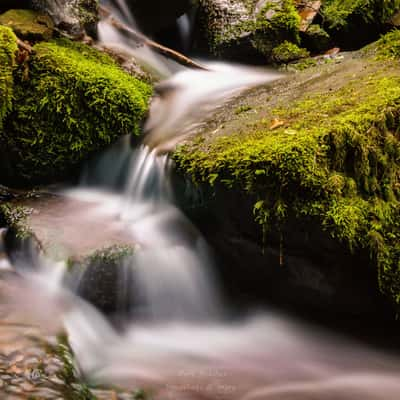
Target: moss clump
388 47
287 52
316 39
75 101
8 49
16 218
336 161
28 24
276 23
338 13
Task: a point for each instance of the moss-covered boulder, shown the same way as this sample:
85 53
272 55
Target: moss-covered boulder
251 30
316 165
68 101
353 23
239 29
29 25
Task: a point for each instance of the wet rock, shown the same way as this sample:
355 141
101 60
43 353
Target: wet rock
296 211
51 220
95 253
242 29
28 25
355 24
75 17
103 279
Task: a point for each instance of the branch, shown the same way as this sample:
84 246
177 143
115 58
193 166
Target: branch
24 46
139 37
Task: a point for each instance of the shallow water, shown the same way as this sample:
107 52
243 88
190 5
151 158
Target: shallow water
178 340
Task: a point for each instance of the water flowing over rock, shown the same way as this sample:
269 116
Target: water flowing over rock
291 191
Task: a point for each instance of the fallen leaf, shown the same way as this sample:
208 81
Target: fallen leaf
307 13
276 123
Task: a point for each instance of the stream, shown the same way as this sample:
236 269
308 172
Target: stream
176 337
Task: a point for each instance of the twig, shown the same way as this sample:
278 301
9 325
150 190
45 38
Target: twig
166 51
24 46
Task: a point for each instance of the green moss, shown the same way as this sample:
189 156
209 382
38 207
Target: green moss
276 23
28 24
336 160
72 387
388 47
111 255
16 218
316 38
337 13
75 102
242 109
287 52
273 24
8 49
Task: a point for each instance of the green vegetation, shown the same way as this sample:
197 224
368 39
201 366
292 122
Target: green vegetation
16 218
287 52
69 102
29 25
274 23
337 13
335 160
388 47
8 49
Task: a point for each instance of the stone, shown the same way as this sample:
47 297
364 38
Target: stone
243 29
76 17
28 25
296 202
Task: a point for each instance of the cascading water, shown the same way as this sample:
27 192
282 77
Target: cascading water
169 274
176 342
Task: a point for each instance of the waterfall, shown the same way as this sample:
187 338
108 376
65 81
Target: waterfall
177 340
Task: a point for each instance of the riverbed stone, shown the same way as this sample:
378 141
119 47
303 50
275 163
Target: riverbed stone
314 201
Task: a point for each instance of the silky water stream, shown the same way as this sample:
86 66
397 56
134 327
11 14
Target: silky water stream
176 340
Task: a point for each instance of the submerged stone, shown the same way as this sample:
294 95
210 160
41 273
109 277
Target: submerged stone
28 25
314 201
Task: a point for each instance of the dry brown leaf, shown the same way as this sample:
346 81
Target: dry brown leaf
276 123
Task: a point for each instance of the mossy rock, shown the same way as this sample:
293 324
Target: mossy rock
29 25
287 52
102 278
248 27
353 23
333 161
69 101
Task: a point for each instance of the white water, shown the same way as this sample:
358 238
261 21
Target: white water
176 342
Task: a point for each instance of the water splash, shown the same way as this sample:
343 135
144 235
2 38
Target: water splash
187 100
